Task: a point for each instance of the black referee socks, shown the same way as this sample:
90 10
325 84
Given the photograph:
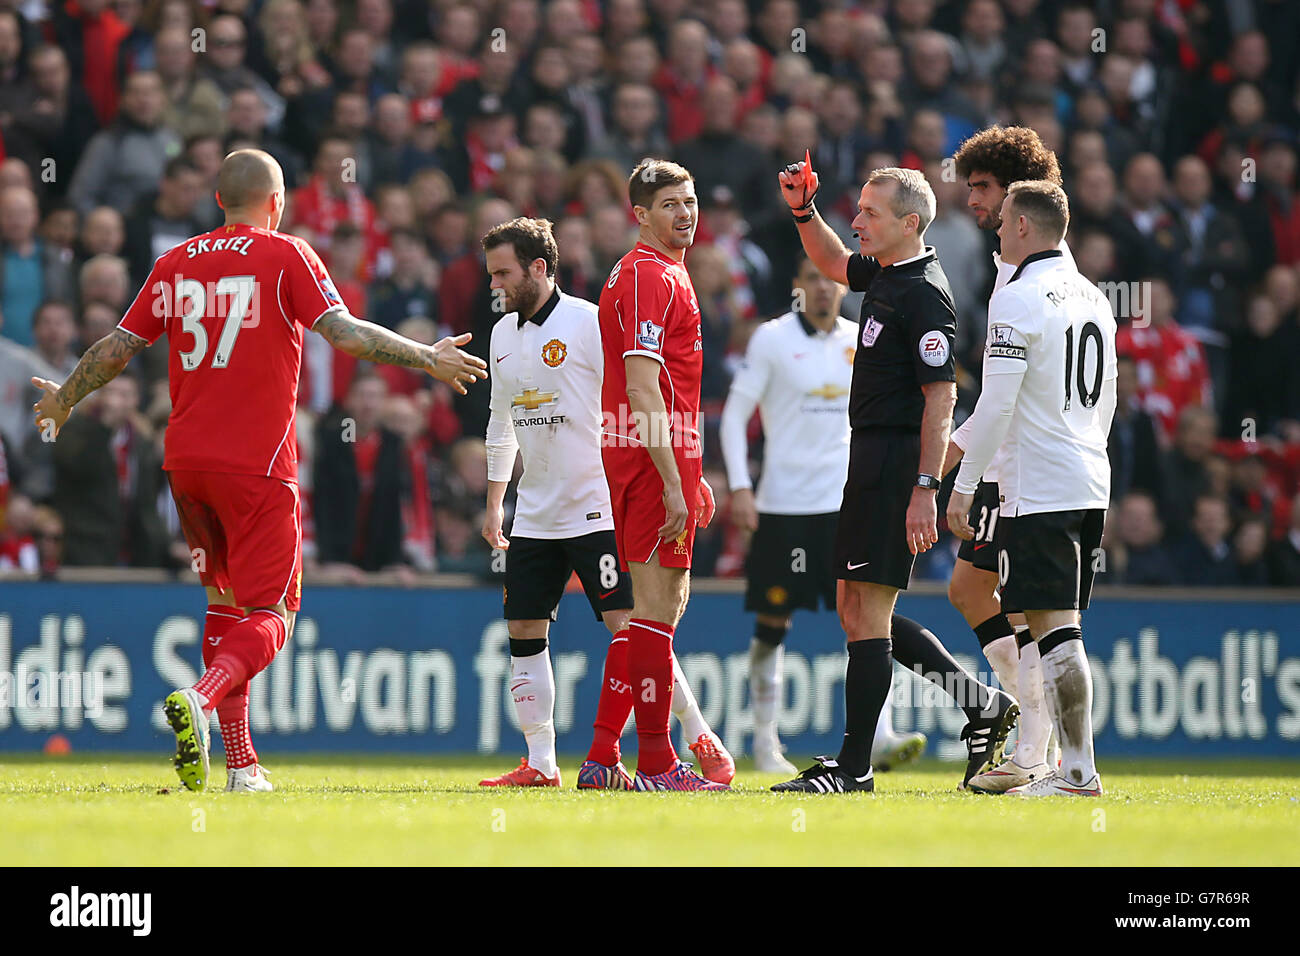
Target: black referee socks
917 649
866 691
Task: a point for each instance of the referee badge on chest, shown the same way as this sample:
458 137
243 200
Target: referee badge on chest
870 330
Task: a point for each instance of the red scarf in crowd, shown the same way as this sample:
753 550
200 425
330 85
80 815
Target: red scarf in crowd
101 35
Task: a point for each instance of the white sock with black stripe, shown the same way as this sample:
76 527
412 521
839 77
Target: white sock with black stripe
532 686
1035 721
685 707
1067 681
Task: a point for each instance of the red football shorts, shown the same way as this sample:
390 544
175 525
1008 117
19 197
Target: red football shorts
636 493
245 533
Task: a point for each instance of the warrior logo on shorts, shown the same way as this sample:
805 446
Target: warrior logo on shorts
777 595
554 352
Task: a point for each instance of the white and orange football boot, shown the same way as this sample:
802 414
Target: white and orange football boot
522 776
716 763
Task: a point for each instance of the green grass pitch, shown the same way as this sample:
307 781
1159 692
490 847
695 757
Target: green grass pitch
109 810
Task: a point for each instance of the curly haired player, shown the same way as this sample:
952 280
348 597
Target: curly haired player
990 161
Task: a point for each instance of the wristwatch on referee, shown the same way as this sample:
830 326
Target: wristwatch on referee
928 482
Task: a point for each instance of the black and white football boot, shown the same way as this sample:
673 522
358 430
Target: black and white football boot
827 776
986 736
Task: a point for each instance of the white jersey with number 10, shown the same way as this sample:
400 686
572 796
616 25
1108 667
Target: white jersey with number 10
1056 327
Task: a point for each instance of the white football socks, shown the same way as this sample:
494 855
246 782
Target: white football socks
532 685
885 724
765 673
1035 721
1004 658
685 708
1067 681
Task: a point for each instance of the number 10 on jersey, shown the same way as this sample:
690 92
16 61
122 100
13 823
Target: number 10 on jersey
1089 393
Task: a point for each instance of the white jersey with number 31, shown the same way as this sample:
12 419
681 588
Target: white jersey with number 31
1058 324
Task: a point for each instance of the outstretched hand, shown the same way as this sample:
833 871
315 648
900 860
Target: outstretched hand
49 408
455 367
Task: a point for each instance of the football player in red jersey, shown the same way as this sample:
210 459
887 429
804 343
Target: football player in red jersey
234 303
650 402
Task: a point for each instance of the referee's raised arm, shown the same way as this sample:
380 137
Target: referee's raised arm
799 185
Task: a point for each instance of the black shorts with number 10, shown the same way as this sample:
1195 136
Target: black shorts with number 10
979 550
537 570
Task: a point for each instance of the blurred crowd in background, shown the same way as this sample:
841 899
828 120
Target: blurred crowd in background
408 129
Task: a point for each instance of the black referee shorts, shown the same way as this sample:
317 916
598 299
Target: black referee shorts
1046 561
871 538
537 570
980 550
789 564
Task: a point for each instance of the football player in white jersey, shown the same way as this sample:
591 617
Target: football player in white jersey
989 162
547 367
1047 402
797 372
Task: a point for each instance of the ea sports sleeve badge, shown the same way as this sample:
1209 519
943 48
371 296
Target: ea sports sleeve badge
933 348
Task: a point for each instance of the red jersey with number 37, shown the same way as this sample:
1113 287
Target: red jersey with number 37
648 307
234 303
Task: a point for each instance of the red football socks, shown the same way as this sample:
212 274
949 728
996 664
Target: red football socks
615 703
219 619
233 714
245 650
650 670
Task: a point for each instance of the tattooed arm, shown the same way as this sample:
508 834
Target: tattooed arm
374 343
102 363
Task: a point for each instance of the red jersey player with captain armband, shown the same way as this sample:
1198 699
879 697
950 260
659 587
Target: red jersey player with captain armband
650 332
234 303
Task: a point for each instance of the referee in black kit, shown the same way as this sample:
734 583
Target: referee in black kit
900 409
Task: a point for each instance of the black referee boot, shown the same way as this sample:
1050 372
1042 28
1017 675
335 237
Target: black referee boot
986 737
827 776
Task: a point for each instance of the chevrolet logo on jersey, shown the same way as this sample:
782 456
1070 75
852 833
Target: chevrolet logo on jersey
532 399
829 392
